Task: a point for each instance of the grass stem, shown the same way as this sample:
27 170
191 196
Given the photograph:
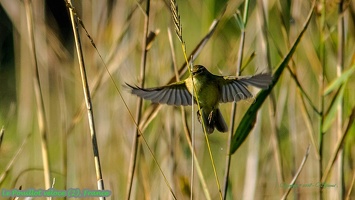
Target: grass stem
87 96
135 141
39 97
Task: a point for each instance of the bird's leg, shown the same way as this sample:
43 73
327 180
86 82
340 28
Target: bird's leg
199 116
210 116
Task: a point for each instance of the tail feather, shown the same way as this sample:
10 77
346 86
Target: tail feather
209 124
216 121
219 122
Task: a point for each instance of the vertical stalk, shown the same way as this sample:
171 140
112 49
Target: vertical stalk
39 97
340 67
187 132
234 106
321 89
135 142
87 96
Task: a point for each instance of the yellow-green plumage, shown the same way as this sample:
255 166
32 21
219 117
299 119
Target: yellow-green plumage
210 90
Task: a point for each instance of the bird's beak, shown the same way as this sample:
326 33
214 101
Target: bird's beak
194 71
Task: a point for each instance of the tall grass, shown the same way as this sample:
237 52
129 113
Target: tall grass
311 105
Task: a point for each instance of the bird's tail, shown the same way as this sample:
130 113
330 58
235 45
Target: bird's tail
220 124
214 120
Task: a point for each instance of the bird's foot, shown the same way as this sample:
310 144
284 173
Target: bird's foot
199 116
210 116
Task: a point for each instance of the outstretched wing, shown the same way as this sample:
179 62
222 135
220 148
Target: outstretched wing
173 94
235 88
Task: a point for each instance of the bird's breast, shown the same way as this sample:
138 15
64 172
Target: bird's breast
207 92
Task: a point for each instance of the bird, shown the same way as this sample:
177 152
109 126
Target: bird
210 90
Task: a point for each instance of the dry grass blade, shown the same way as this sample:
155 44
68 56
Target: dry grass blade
87 96
297 174
176 19
39 97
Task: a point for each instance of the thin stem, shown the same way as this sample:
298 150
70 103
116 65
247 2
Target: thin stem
340 67
297 174
135 142
193 138
178 31
188 134
234 106
322 85
87 96
39 97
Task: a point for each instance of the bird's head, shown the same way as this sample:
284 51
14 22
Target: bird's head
198 69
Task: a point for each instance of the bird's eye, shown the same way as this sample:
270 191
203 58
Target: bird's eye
198 70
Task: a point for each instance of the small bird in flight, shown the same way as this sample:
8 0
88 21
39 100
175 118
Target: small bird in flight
210 90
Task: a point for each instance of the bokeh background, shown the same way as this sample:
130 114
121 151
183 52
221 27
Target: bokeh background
262 168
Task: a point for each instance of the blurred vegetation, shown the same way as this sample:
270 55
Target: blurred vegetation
263 166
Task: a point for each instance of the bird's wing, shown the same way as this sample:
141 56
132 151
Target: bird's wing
235 88
173 94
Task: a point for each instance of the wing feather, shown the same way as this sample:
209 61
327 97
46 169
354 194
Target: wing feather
243 92
173 100
235 88
149 95
259 80
173 94
186 97
165 97
183 98
230 93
